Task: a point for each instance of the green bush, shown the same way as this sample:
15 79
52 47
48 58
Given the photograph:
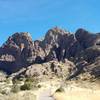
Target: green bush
27 86
60 89
15 88
31 79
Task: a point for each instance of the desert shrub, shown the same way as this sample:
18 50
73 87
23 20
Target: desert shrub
16 81
3 92
27 86
60 89
15 88
7 81
32 79
30 83
39 86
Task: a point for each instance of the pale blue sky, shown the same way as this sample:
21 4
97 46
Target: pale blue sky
37 16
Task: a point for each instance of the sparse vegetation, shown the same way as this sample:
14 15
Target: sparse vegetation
27 86
60 89
16 81
7 81
15 88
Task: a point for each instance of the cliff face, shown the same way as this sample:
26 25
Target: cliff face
81 48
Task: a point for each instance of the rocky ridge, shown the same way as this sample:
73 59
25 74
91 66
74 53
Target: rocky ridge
60 53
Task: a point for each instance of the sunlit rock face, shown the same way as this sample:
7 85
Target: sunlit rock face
81 48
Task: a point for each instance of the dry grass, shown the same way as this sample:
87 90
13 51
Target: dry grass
26 95
78 94
72 91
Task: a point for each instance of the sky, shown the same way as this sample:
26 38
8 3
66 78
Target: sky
37 16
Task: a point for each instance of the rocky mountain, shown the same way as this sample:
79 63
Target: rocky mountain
59 53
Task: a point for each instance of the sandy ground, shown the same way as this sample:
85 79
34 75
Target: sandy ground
72 91
78 94
23 95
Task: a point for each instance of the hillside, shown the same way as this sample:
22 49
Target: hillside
61 55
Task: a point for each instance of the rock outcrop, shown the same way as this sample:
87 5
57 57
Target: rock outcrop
82 49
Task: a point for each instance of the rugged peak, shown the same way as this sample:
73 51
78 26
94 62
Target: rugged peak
81 30
22 36
19 39
59 30
55 35
56 30
86 38
20 51
80 33
26 34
